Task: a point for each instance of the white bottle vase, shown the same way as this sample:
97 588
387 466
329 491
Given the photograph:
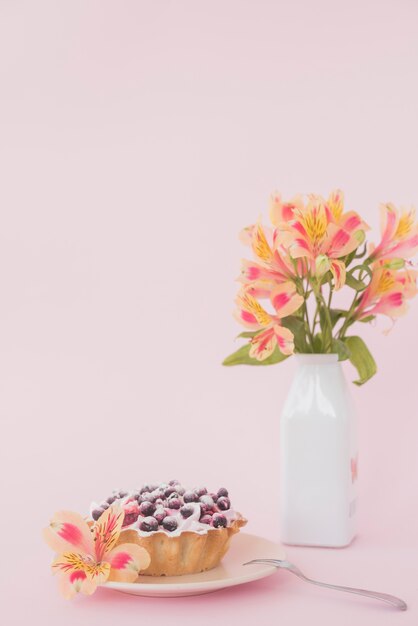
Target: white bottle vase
318 456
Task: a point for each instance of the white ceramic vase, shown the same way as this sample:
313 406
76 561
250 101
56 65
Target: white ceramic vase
318 456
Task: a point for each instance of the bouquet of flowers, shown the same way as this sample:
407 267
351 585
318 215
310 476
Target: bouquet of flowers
313 249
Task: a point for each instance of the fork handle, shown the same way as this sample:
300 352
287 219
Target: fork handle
385 597
377 595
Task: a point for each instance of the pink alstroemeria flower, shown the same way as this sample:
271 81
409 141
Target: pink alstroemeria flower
320 232
272 267
349 221
399 234
387 292
251 314
87 557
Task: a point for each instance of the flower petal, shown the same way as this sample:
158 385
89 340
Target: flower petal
335 204
393 305
338 271
284 338
127 560
283 211
80 573
68 530
388 221
76 582
285 299
107 530
260 245
263 344
256 314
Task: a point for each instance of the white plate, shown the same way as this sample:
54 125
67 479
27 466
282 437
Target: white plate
230 572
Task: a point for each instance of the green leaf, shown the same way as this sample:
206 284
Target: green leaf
249 334
336 314
368 318
242 357
361 358
297 326
340 348
355 283
317 343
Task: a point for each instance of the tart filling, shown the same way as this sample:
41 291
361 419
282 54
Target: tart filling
171 509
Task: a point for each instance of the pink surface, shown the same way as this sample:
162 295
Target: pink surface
137 138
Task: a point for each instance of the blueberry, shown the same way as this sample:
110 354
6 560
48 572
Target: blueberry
214 496
122 494
223 492
223 503
147 508
148 496
111 499
169 491
170 523
207 501
104 505
148 524
206 519
160 514
173 482
191 496
187 510
174 503
96 513
180 490
219 520
201 491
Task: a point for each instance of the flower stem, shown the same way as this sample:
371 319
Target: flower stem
326 328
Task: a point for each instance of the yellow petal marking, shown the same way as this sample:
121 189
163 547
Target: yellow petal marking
260 245
250 304
406 222
314 221
386 282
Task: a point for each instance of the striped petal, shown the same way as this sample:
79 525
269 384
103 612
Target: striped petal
285 299
251 312
263 344
260 245
68 531
338 271
107 530
81 573
284 338
335 205
127 560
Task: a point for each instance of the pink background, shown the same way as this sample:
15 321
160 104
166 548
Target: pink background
137 138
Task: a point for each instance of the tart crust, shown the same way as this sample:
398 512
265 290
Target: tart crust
187 553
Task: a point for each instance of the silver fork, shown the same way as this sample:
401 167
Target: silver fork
400 604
